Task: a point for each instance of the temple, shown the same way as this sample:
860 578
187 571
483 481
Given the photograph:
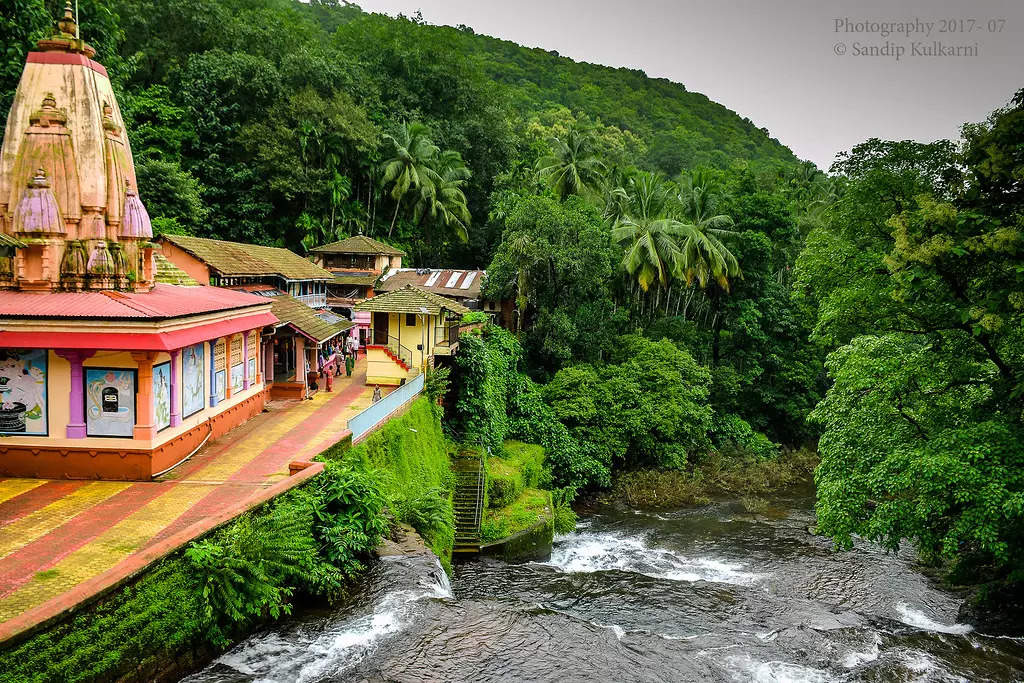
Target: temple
105 372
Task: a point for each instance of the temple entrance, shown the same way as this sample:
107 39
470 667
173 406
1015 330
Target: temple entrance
380 328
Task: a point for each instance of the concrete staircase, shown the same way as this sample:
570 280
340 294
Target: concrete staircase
468 502
390 354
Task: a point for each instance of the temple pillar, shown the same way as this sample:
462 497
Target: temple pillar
76 399
300 360
213 373
268 361
145 407
227 367
175 389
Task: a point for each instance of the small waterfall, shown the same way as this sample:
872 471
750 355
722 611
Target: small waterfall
595 552
319 650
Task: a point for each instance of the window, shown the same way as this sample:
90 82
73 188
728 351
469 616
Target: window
410 320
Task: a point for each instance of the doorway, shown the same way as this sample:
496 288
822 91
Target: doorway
380 328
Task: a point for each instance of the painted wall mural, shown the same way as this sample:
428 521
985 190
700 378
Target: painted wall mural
237 377
220 351
162 394
252 371
193 379
23 407
109 402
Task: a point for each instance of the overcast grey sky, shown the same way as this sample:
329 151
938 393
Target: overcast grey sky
778 62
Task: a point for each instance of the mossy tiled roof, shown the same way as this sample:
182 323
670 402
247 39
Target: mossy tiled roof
170 274
235 258
292 311
360 244
8 241
410 299
355 279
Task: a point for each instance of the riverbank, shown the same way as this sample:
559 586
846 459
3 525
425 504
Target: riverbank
305 546
709 592
713 476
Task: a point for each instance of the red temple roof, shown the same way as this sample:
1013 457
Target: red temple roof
164 301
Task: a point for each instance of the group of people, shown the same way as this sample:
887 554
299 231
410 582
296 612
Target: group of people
332 358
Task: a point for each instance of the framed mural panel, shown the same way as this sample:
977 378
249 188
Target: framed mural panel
110 402
220 359
193 379
23 408
252 371
237 377
162 395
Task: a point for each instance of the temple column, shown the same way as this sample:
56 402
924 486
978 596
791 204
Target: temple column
145 407
300 360
268 361
76 399
245 360
227 367
213 373
175 389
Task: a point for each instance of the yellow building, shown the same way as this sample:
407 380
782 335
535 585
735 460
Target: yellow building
409 328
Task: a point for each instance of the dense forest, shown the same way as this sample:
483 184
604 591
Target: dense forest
685 288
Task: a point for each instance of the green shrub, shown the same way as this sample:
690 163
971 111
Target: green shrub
735 437
430 513
504 482
565 516
409 459
349 516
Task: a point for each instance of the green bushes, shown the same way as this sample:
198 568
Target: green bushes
504 483
521 467
650 407
408 456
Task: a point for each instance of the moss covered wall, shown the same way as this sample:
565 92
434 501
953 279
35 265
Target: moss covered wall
530 544
410 456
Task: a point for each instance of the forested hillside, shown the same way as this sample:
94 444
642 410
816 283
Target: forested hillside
266 120
686 291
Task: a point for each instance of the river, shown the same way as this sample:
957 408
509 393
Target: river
699 594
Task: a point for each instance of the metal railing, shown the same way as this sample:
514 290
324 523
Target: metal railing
363 422
313 300
401 352
446 334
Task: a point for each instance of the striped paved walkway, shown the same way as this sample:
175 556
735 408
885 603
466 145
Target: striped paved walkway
56 534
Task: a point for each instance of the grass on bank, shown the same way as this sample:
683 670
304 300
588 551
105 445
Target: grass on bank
530 507
518 467
713 475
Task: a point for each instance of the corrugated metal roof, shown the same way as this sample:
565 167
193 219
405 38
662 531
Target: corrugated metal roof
359 244
410 299
231 259
436 281
164 301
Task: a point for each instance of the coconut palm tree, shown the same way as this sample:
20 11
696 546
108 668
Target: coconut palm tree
523 252
702 254
572 167
410 166
446 203
646 230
